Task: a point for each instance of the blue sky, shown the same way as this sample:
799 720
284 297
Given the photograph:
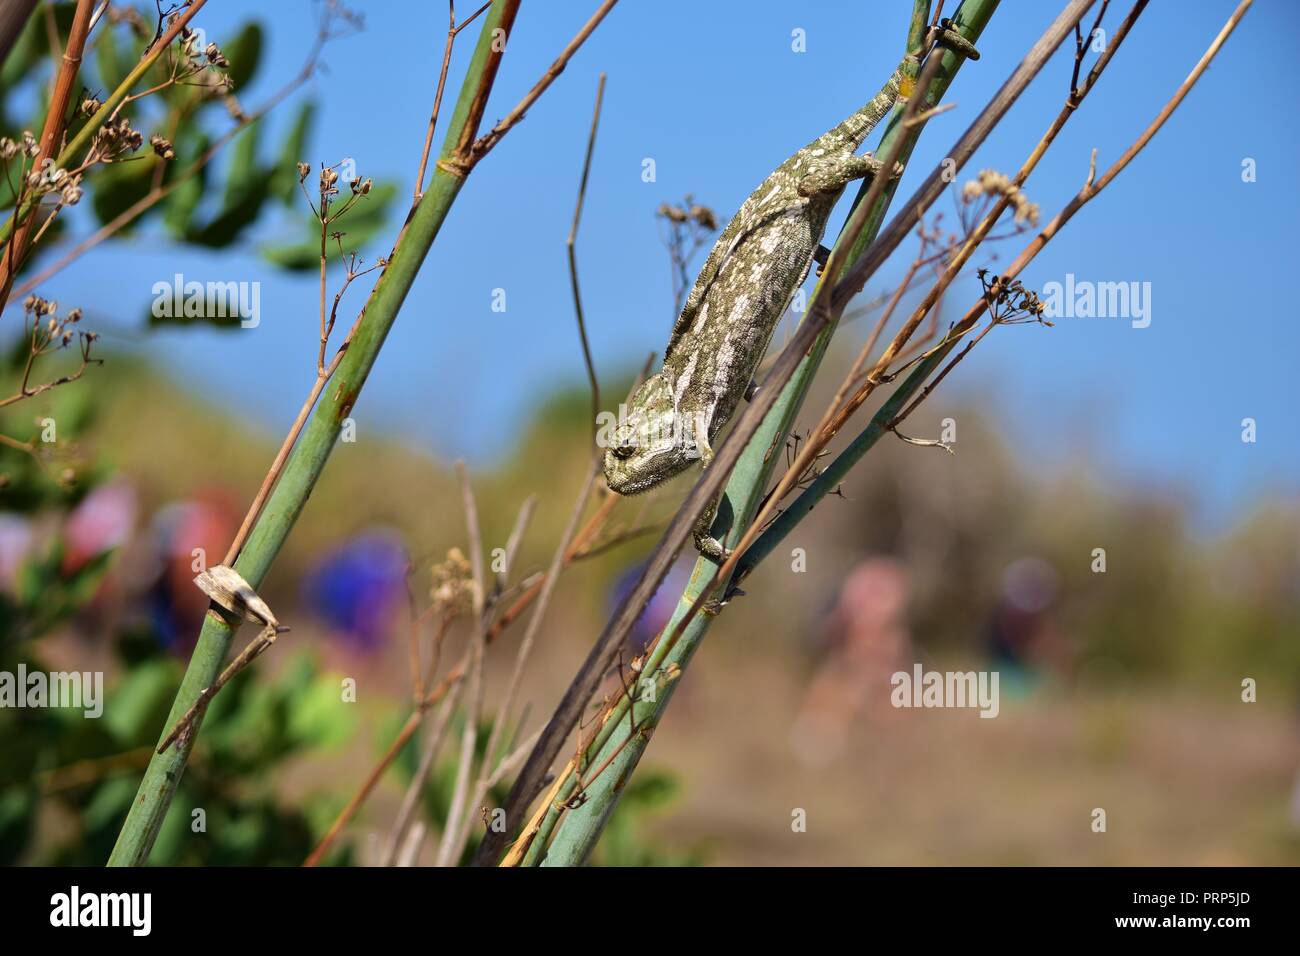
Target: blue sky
715 95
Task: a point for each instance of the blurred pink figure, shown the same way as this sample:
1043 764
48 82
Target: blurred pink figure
864 640
188 536
102 521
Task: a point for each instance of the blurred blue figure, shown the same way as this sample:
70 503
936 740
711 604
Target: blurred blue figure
660 608
358 589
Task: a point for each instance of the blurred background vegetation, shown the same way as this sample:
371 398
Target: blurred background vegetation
1119 689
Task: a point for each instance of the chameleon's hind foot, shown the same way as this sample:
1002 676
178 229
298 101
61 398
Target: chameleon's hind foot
949 37
712 548
705 543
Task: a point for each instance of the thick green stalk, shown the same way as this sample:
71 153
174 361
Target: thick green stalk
308 458
573 834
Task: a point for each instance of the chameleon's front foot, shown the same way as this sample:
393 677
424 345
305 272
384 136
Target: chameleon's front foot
947 36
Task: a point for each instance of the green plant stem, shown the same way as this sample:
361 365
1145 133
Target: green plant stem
309 456
573 833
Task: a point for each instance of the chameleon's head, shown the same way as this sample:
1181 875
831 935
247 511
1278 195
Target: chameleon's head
647 445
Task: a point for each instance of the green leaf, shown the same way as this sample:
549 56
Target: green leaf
17 819
139 703
112 58
230 222
32 45
121 185
284 177
320 718
180 206
243 177
244 53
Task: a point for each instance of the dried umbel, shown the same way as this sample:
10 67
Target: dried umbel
71 194
215 57
50 331
123 13
116 137
453 583
993 184
1009 302
162 147
688 212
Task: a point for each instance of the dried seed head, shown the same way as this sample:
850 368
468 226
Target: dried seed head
89 106
704 217
992 183
215 56
162 146
453 586
671 213
304 170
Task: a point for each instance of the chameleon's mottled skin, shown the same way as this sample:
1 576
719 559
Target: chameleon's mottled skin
744 288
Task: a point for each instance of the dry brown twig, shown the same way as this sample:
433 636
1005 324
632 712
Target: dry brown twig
51 138
573 258
474 687
453 29
848 399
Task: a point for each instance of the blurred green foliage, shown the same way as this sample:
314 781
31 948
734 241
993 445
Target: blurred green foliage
208 210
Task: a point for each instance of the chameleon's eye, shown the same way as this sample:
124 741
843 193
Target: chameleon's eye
623 451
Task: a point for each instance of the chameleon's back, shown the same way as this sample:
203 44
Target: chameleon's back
742 291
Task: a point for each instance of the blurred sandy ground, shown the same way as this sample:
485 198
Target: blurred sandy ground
1119 690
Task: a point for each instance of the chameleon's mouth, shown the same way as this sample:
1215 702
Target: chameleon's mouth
628 476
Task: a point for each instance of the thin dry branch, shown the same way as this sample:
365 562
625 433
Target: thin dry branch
573 259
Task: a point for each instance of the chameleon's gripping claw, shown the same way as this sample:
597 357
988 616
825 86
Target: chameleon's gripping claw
947 36
820 257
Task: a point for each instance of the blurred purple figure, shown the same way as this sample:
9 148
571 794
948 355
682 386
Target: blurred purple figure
358 589
1021 636
101 522
658 611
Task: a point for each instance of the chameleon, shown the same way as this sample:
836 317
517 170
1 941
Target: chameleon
744 287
